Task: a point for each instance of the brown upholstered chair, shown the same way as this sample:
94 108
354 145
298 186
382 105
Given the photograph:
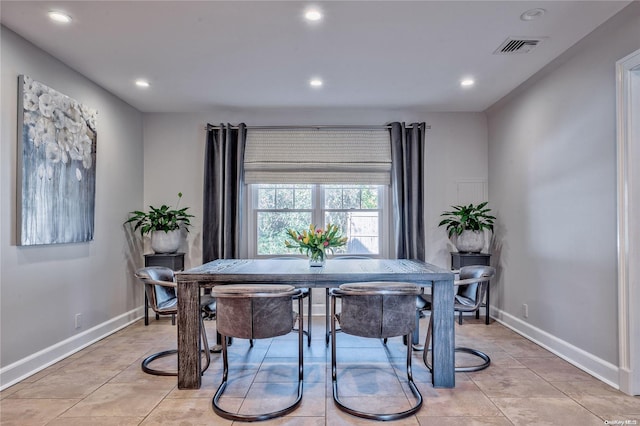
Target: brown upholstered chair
257 311
376 310
306 294
327 334
471 288
160 288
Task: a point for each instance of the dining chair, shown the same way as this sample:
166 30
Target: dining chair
160 289
376 310
306 294
256 311
471 288
327 333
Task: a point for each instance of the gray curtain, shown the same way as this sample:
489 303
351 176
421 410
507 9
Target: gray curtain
407 186
223 192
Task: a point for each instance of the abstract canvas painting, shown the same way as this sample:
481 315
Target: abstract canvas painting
56 166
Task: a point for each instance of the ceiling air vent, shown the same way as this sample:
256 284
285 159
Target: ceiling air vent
514 45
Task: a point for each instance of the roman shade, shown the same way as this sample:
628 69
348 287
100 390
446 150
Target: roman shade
318 156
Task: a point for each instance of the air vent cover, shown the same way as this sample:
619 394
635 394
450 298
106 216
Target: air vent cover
514 45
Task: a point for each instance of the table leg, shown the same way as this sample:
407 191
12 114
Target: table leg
146 309
188 335
443 341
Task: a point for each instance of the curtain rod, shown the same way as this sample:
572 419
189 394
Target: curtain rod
349 127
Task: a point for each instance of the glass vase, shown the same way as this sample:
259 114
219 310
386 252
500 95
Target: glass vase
317 258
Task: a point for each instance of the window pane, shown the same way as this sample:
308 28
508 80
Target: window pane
289 197
351 198
369 197
266 197
284 198
272 230
333 197
360 228
303 197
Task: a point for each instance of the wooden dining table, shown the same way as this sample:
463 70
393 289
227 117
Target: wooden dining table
300 274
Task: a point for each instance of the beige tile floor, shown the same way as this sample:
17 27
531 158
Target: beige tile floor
103 384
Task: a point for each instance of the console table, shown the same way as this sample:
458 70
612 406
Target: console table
173 261
458 260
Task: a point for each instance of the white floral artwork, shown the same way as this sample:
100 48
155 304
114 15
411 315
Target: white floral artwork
57 170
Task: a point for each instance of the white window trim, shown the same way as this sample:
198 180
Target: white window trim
249 244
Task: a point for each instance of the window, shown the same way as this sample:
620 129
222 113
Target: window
359 210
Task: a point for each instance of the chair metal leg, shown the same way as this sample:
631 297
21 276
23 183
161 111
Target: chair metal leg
362 414
326 317
146 309
266 416
415 336
486 361
308 330
148 360
309 305
204 349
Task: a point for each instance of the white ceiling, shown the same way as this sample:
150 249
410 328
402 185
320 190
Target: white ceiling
240 54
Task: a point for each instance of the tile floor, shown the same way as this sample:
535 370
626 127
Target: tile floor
103 384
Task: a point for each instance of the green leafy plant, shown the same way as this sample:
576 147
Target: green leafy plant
472 218
163 218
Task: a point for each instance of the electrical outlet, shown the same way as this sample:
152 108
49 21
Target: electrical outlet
525 310
78 321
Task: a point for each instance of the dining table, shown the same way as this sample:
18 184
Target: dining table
300 274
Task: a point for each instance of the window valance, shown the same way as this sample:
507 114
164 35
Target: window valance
320 156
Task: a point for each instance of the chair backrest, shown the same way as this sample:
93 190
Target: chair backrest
255 311
472 294
377 309
162 298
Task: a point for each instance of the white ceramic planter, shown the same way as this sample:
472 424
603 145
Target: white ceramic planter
166 242
470 241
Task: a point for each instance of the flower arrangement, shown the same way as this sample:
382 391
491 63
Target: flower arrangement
315 242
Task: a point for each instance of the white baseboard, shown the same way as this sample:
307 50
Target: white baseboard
589 363
33 363
627 383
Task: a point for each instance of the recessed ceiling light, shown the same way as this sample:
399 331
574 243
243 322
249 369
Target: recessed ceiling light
313 15
315 82
142 83
532 14
467 82
57 16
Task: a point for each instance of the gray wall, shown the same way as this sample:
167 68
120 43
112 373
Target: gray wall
456 154
43 287
552 180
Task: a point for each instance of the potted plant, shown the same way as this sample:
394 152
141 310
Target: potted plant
165 225
467 224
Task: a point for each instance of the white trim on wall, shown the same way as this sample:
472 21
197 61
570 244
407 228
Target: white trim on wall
597 367
40 360
628 177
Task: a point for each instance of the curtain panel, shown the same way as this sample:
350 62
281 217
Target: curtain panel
407 186
223 192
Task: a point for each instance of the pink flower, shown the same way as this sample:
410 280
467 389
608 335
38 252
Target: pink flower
326 243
